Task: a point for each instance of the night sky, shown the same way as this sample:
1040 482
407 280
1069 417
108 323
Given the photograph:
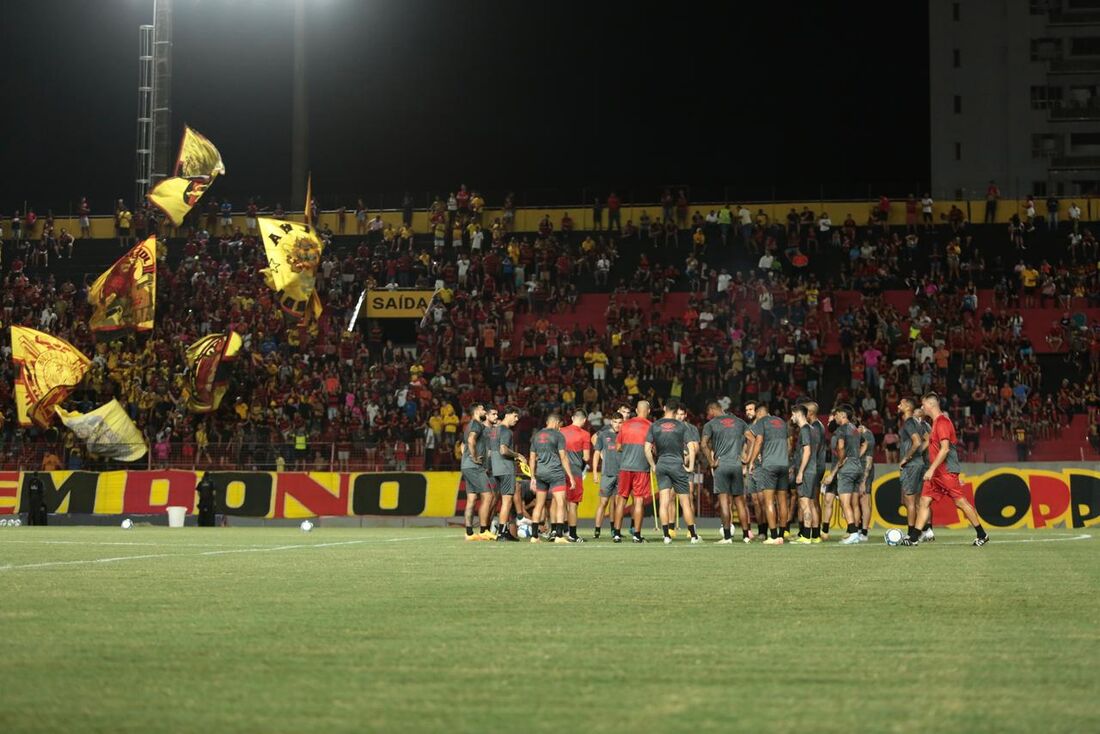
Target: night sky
542 99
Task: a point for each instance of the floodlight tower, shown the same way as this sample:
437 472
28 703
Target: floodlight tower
154 119
299 124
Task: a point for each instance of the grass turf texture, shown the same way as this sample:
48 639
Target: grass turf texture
272 630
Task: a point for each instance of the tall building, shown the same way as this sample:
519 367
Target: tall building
1014 96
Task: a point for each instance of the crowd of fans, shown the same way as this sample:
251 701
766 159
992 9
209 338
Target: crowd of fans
761 315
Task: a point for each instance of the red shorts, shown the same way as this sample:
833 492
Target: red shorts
636 483
574 492
943 485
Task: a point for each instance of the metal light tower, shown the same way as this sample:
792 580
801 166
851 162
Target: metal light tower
154 119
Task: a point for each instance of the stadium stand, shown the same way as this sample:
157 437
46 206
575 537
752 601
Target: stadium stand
548 312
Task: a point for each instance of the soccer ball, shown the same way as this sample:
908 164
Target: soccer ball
524 530
127 524
893 536
306 526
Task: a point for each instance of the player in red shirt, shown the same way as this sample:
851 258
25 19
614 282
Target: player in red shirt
578 447
942 477
634 476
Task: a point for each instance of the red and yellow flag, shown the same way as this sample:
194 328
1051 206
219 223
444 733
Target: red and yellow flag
198 164
47 370
125 296
206 359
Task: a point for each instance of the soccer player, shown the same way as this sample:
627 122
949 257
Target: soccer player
751 489
503 462
578 447
695 479
822 447
805 477
474 449
867 460
847 471
634 477
550 469
912 444
723 444
605 467
665 443
941 478
770 445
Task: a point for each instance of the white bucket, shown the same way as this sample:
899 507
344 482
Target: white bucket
176 515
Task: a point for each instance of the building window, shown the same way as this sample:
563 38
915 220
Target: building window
1045 145
954 11
1084 46
958 104
958 151
1044 49
1091 141
956 58
1045 98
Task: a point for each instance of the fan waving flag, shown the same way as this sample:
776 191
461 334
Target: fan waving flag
207 359
107 431
47 370
125 296
199 163
293 253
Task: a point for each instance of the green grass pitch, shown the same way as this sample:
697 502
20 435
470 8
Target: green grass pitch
274 630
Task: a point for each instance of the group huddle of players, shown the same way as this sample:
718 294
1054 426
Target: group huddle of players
774 468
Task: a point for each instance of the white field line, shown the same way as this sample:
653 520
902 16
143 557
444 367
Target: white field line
266 549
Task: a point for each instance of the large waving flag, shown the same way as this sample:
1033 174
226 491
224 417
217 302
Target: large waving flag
199 163
125 296
107 431
293 253
47 370
209 380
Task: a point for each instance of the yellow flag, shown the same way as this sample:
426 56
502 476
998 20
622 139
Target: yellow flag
208 381
47 370
125 296
293 253
107 431
199 163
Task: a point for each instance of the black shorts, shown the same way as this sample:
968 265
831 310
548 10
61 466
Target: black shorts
729 479
776 477
477 481
505 484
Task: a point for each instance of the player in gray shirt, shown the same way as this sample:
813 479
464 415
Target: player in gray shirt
503 463
605 465
770 443
723 445
805 454
867 459
665 444
912 444
550 468
848 470
475 441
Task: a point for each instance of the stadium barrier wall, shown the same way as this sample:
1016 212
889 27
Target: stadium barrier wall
527 218
1006 496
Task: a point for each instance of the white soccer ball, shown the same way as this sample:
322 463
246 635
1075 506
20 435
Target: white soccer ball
893 536
524 530
306 526
127 524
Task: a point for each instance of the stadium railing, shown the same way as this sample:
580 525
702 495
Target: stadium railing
267 456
